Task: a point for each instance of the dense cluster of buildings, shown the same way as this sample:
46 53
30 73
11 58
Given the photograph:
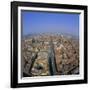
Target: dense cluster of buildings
50 54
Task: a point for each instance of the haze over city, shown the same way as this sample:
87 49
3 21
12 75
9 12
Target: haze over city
46 22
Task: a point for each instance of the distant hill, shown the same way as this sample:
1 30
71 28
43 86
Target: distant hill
48 33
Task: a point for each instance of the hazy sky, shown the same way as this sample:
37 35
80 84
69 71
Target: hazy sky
43 22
